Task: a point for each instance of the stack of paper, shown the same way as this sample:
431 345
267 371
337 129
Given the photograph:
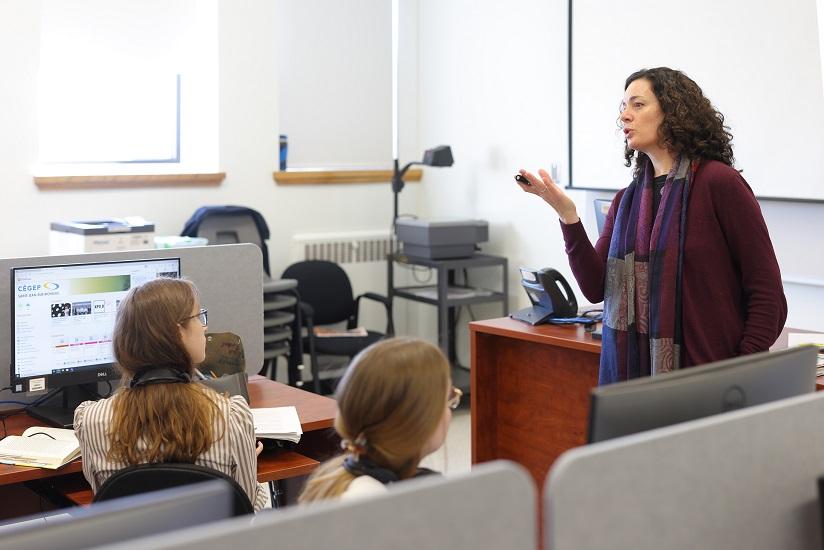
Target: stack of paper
277 423
325 332
41 447
814 338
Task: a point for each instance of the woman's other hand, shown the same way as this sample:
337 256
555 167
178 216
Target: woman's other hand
553 195
259 448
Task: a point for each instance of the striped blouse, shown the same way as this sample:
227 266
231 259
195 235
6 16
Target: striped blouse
233 454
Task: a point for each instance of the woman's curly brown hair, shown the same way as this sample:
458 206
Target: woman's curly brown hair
691 126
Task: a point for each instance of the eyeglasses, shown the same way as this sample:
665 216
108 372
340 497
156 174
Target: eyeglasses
454 399
201 315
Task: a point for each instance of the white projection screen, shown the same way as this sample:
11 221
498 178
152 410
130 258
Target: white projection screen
759 62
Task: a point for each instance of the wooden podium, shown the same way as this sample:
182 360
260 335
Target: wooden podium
530 391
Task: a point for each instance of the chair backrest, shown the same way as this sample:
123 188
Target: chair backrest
152 477
325 286
230 225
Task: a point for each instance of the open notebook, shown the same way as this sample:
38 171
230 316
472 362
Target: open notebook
277 423
40 446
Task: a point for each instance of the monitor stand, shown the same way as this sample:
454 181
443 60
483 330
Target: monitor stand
57 407
534 315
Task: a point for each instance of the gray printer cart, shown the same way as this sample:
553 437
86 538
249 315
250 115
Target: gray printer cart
446 296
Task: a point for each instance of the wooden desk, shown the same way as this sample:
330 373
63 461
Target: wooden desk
531 387
316 413
530 391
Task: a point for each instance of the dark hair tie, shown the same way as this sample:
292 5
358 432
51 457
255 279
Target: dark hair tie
365 467
159 375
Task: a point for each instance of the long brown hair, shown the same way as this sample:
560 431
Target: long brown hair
159 422
692 126
390 402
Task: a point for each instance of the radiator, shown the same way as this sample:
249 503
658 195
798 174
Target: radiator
345 248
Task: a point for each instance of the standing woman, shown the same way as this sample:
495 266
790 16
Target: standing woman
684 265
159 414
394 406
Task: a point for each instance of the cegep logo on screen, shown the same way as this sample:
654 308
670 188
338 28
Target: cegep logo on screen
34 287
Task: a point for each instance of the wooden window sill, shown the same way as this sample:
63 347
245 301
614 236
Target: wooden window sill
324 177
49 183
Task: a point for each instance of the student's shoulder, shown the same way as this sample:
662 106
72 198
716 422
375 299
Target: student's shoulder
362 487
92 411
238 408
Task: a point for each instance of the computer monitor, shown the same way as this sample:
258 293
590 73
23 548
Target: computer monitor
119 520
652 402
601 211
62 319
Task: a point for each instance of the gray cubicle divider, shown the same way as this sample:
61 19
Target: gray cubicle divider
123 518
493 506
744 479
229 278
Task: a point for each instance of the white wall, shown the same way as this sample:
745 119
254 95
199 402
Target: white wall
335 82
493 84
248 148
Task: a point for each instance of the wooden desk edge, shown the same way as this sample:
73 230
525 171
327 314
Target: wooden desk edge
10 474
278 466
320 418
575 339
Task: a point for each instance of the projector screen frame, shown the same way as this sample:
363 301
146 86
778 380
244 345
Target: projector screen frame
570 104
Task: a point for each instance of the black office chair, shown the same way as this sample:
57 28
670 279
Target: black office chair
153 477
326 299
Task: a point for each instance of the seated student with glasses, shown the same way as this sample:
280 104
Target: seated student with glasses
158 414
395 403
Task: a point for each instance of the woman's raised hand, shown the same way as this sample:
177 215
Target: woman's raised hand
553 195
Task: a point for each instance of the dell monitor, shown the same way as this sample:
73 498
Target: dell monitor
62 319
653 402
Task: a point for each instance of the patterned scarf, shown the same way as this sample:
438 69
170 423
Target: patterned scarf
642 297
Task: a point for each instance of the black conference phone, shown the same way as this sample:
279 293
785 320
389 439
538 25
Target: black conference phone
550 294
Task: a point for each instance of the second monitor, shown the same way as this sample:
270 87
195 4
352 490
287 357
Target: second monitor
653 402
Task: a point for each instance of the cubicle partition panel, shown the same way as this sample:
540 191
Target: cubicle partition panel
229 278
744 479
491 507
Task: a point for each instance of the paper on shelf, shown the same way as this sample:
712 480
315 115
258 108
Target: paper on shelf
452 292
324 332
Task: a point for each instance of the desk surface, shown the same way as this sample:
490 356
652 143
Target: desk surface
535 379
565 336
575 337
315 412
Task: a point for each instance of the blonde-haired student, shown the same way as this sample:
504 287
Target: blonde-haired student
159 414
394 406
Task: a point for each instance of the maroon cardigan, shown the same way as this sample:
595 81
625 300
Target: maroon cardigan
733 301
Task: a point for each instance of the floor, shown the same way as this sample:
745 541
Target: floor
456 454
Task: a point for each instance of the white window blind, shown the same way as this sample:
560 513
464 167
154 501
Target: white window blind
128 87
